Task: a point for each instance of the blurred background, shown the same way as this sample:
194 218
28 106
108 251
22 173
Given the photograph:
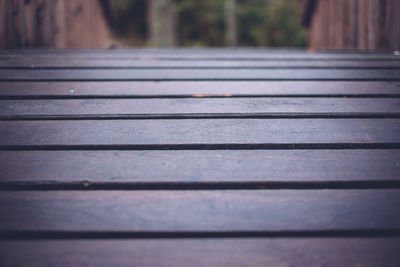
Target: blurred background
316 24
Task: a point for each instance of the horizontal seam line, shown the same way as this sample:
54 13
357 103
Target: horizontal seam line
205 146
199 116
199 58
194 79
197 185
172 96
4 234
198 67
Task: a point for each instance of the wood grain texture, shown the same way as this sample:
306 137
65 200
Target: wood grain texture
81 186
197 74
65 63
198 88
61 24
355 24
199 166
197 105
199 131
179 211
203 54
204 252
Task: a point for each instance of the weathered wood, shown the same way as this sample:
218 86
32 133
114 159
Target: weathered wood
198 89
355 24
4 10
197 106
65 63
200 132
196 199
209 53
300 58
198 50
88 170
204 252
196 74
53 23
179 211
84 169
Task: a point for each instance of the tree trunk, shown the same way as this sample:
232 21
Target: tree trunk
161 18
230 23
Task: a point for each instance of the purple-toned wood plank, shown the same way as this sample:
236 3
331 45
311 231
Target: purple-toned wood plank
196 74
198 88
199 131
151 63
197 105
39 167
196 54
179 211
204 252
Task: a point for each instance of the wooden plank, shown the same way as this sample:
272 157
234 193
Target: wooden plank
208 54
86 169
30 63
218 57
197 106
197 211
204 252
191 50
196 74
197 89
199 132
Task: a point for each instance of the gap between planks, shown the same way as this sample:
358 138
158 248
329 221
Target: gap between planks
65 235
183 185
189 116
209 146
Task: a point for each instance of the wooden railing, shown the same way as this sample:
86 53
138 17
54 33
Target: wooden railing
353 24
53 23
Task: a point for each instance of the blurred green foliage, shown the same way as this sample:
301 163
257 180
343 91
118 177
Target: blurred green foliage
269 23
130 22
201 22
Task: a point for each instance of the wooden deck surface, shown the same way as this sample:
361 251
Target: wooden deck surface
215 157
